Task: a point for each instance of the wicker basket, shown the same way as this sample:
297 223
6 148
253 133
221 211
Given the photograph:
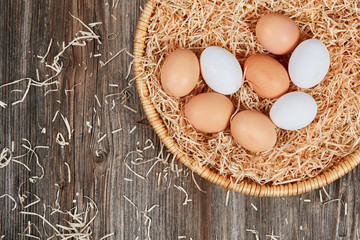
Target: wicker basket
247 186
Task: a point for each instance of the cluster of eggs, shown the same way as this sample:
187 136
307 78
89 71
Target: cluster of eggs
213 112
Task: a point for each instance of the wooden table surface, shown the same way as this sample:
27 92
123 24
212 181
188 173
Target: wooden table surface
110 164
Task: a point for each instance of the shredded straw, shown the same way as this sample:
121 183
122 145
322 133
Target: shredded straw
77 222
298 155
116 130
61 140
255 232
102 64
11 198
254 207
195 182
56 66
5 157
69 172
67 125
187 199
272 237
326 193
227 198
102 138
2 104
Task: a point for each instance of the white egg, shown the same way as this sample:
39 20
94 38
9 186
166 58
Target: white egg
221 70
294 110
309 63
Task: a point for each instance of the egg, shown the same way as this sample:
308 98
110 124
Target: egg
221 70
253 131
180 73
309 63
209 112
277 33
294 110
268 77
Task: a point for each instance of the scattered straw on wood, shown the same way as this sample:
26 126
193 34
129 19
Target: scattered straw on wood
130 108
195 182
67 125
326 193
77 222
132 130
72 89
255 232
2 104
144 213
187 199
253 206
102 138
346 209
29 233
227 197
61 140
103 64
107 236
25 198
272 237
5 157
11 198
68 171
136 162
335 200
88 124
32 152
298 155
81 39
94 24
116 130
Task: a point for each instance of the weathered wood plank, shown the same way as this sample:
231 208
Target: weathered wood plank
97 166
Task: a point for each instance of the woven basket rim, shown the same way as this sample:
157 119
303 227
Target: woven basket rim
246 186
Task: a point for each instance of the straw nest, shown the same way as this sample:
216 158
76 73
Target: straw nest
298 155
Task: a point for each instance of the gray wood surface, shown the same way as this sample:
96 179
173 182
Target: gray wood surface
97 168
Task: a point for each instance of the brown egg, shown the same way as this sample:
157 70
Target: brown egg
253 131
277 33
268 77
209 112
180 72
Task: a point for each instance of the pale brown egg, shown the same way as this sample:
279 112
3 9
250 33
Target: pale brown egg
268 77
209 112
277 33
180 73
253 131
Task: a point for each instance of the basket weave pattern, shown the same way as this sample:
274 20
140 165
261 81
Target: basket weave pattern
246 186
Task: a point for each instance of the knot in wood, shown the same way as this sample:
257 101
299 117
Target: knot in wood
101 155
62 184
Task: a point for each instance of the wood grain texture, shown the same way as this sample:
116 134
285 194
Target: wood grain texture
98 168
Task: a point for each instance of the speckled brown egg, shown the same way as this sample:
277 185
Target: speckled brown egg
277 33
180 73
268 77
253 131
209 112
